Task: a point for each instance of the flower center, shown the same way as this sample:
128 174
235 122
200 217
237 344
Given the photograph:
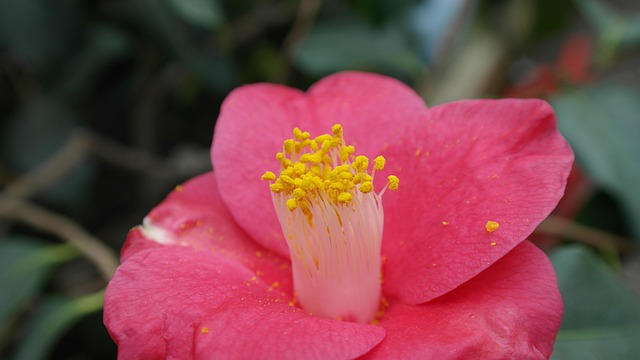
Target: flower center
332 221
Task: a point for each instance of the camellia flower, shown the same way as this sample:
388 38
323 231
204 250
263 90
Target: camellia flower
296 247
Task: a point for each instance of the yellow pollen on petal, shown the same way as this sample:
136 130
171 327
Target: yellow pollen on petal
204 330
492 226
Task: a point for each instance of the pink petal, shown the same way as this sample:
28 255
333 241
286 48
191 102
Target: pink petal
180 303
468 163
512 310
256 119
194 216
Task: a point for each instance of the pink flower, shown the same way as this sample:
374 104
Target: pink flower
208 273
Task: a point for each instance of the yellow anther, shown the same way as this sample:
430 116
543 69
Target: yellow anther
299 193
299 169
268 176
337 186
345 152
346 175
361 163
337 130
299 135
286 180
277 187
315 169
379 162
297 182
292 204
366 187
492 226
305 158
289 171
361 177
280 156
393 182
345 197
320 139
288 146
326 146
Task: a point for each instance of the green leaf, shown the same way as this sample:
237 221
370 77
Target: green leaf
25 264
601 123
204 13
601 318
51 320
39 33
356 46
613 27
159 23
104 44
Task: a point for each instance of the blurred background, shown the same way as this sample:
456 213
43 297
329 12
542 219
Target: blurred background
107 105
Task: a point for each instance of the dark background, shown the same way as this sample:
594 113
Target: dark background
107 105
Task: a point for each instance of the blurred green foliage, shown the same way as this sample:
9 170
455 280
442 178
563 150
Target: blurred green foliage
109 104
603 324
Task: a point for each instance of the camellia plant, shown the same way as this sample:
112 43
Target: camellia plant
351 221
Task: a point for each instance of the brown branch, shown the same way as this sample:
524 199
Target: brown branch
71 154
254 24
20 210
558 226
83 142
78 146
130 158
302 24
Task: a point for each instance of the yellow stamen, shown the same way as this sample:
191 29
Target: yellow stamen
322 168
366 187
332 221
393 182
379 162
268 176
345 198
337 130
292 204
